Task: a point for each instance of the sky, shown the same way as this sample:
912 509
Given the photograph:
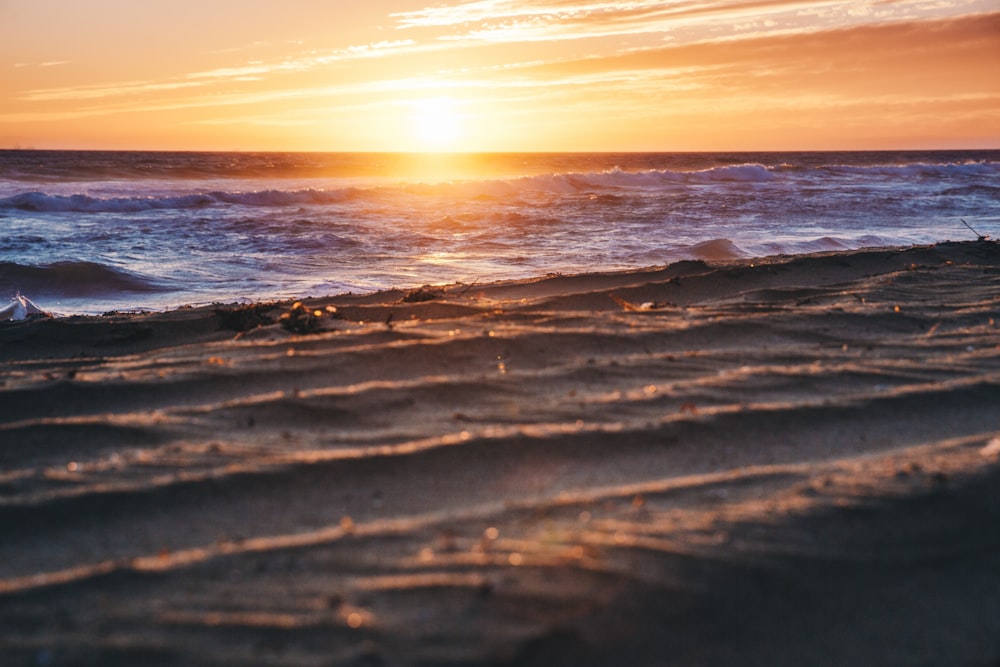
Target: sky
500 75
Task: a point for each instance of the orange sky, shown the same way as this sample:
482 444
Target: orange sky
500 75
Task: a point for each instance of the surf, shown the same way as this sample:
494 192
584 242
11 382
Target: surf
73 279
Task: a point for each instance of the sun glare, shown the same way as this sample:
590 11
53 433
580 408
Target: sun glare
436 124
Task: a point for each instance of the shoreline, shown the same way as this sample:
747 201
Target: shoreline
787 460
709 256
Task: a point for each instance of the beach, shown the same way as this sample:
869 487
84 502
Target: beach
777 461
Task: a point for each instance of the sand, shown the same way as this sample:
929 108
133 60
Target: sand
785 461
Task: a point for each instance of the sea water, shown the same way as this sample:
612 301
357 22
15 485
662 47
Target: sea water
89 231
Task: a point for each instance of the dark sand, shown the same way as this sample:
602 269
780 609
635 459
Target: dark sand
791 461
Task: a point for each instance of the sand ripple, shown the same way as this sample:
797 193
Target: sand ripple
782 461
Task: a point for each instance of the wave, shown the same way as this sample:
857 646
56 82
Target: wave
599 183
80 203
715 250
618 178
72 279
918 170
558 184
824 244
976 190
732 174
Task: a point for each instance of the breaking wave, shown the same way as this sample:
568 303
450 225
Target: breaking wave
80 203
72 280
570 183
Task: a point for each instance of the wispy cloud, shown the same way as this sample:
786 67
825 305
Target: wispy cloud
103 90
250 71
50 63
758 64
684 20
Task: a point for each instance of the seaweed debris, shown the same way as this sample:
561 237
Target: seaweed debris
245 317
301 319
982 237
425 293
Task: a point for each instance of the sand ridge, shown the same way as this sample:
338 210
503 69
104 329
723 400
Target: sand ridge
784 460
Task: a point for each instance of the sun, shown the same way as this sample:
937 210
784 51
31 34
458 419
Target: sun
437 125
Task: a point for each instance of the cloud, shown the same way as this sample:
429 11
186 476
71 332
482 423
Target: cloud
252 71
867 71
103 90
50 63
775 56
682 20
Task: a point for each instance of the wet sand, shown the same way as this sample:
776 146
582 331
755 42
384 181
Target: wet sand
784 461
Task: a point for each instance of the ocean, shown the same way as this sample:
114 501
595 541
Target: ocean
85 232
